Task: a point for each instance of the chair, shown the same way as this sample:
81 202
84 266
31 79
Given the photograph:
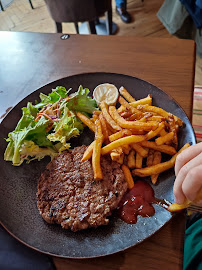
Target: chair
2 8
80 11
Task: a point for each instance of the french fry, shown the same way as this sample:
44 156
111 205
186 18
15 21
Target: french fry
121 109
117 155
143 101
120 142
177 207
124 103
150 158
126 95
104 127
126 148
88 153
145 117
131 159
110 129
156 118
154 133
107 116
159 168
125 114
140 150
162 148
163 132
120 134
138 132
139 159
95 117
133 117
98 130
131 124
128 176
97 151
172 128
156 160
164 139
97 112
159 111
86 121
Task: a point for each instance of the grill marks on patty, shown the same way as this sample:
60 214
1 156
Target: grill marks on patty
69 195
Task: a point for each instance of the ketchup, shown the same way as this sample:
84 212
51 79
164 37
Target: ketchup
138 201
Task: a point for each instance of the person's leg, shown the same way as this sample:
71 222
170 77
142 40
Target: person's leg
16 256
122 10
121 3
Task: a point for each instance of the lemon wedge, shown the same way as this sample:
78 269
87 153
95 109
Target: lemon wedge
106 92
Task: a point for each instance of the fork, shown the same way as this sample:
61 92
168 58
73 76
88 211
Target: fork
194 208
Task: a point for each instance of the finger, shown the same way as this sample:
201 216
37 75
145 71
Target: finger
192 183
187 155
177 189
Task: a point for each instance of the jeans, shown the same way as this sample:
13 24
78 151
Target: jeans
16 256
121 3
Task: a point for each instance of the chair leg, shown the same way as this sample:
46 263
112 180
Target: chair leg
92 28
31 4
2 8
76 27
108 16
97 21
58 27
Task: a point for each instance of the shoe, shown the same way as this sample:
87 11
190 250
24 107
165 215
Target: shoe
124 15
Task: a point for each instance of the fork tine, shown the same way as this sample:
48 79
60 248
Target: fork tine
195 208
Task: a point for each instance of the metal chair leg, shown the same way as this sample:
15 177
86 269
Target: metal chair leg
76 27
2 8
31 4
92 28
108 16
58 27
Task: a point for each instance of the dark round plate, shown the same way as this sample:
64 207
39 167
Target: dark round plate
19 213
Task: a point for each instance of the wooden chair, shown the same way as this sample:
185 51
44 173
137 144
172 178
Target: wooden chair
80 11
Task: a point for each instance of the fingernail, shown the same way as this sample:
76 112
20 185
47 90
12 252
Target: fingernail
179 200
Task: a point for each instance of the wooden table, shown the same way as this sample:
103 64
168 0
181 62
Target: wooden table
31 60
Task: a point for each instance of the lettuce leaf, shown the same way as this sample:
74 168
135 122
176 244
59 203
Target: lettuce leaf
30 151
81 102
69 126
27 129
58 93
31 140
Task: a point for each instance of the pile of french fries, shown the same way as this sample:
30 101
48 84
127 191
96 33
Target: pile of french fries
133 134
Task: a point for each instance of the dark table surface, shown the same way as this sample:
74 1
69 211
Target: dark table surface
31 60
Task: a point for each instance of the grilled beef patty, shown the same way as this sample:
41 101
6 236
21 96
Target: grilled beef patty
69 195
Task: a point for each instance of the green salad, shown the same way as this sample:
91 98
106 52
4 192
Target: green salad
46 127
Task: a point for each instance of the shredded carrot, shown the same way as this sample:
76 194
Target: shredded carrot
45 115
37 118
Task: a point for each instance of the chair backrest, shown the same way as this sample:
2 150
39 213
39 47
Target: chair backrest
77 10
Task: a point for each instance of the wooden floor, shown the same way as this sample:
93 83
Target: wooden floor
20 17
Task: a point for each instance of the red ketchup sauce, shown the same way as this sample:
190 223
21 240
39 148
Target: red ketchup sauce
138 201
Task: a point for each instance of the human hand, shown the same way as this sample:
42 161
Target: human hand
188 171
